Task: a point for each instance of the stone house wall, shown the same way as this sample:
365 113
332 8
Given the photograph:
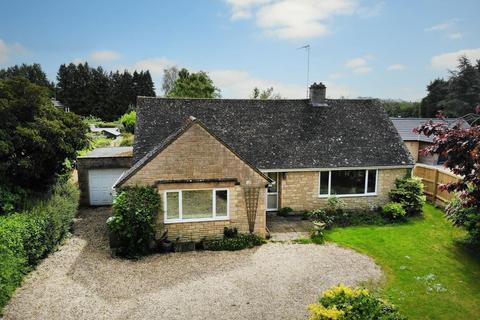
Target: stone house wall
196 154
300 190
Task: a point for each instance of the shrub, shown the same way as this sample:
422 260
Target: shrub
239 242
466 217
28 236
11 199
335 206
285 211
345 218
126 140
409 192
128 121
135 210
321 215
394 211
317 235
341 302
230 232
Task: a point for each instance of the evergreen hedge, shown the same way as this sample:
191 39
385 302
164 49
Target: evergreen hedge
27 237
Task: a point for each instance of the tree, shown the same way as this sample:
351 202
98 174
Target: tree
35 136
400 108
456 96
194 85
170 76
93 92
461 147
33 73
266 94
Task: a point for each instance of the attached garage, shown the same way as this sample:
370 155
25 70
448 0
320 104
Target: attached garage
98 171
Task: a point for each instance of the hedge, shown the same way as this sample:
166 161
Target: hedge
27 237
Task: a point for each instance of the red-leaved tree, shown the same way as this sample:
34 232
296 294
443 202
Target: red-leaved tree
460 145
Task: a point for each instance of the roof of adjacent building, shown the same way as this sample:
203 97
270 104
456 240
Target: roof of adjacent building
110 152
281 134
109 130
405 127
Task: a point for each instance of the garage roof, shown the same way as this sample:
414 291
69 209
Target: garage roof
110 152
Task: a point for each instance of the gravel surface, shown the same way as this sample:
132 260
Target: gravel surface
274 281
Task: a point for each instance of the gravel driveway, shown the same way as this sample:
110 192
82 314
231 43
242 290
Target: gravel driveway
274 281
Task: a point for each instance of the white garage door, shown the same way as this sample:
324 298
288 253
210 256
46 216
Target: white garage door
100 183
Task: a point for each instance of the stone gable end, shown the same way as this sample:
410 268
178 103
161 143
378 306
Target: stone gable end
196 154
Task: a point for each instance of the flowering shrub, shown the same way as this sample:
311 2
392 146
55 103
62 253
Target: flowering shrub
393 211
342 302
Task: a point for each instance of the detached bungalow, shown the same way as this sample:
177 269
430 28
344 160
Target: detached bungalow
225 162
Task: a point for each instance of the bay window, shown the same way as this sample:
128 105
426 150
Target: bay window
196 205
348 182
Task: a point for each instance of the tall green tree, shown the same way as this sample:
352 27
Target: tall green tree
91 91
265 94
403 109
194 85
32 72
35 136
458 95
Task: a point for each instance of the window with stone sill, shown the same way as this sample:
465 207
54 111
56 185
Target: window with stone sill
196 205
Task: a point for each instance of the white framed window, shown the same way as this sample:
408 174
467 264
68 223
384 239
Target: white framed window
196 205
348 183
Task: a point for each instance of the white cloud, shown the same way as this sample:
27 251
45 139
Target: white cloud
292 19
371 11
449 60
104 56
78 61
357 62
8 50
359 65
396 67
336 75
455 35
439 27
155 65
239 84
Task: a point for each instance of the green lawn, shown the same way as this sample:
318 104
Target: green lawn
428 274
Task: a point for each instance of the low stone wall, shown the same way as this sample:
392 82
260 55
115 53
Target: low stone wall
300 191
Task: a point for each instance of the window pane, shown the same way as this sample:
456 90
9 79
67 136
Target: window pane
324 182
172 205
372 181
348 182
274 177
197 204
272 202
221 197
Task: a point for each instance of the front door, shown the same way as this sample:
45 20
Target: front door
272 192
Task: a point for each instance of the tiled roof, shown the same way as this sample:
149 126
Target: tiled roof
281 134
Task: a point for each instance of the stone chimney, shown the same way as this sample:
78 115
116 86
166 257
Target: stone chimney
317 95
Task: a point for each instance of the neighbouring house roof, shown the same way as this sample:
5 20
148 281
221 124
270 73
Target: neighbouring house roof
110 152
281 134
405 127
187 124
111 131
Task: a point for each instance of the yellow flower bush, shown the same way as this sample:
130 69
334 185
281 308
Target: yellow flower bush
319 312
343 302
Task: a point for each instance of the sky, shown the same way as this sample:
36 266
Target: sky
382 49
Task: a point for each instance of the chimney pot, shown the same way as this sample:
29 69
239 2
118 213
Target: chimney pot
318 94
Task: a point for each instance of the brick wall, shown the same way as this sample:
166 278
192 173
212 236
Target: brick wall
300 190
198 155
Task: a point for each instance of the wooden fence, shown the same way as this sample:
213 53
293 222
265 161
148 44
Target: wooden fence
432 178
